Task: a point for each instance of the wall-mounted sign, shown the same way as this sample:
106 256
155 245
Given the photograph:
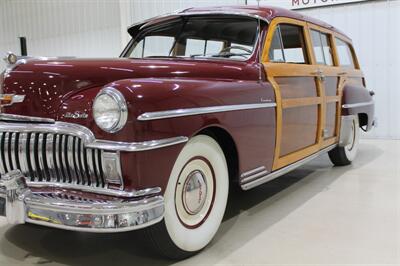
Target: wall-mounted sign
300 4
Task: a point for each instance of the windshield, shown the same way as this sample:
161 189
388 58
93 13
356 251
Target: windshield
231 37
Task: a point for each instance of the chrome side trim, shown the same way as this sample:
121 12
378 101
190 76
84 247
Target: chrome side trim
136 146
88 137
266 178
355 105
202 110
253 174
22 118
254 171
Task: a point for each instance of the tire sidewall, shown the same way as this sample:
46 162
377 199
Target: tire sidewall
194 239
351 152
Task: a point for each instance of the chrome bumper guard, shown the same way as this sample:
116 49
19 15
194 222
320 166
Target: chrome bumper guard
22 205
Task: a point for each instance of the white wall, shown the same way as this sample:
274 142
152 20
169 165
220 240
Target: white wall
61 27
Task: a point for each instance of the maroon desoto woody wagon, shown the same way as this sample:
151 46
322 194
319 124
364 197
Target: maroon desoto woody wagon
199 101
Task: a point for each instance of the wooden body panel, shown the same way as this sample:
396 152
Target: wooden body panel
308 96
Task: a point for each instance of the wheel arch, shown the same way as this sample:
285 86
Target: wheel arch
228 146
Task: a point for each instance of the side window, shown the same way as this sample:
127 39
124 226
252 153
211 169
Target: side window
327 47
276 51
294 48
288 45
322 48
344 54
153 46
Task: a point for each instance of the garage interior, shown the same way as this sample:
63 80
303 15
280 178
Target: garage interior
315 215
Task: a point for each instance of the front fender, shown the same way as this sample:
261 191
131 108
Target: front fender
253 131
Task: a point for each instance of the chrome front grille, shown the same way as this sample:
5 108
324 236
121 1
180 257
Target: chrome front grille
51 157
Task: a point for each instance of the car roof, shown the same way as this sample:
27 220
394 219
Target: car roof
266 13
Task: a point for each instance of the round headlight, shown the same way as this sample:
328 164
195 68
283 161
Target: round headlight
109 110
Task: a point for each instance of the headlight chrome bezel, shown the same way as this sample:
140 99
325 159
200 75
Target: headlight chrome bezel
117 96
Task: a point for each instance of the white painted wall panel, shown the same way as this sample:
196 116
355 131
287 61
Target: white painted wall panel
62 27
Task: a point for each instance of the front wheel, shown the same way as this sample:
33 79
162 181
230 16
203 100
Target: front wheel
341 156
195 200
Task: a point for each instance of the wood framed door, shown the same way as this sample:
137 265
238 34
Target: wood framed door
332 81
298 89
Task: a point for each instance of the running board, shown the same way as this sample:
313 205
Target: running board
249 183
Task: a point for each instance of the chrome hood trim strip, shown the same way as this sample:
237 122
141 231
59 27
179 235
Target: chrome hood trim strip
22 118
202 110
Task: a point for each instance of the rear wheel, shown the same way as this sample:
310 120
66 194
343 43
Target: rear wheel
341 156
195 200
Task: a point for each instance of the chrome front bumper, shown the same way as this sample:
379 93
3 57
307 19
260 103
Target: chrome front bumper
19 204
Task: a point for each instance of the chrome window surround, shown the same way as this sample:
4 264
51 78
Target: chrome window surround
123 109
355 105
202 110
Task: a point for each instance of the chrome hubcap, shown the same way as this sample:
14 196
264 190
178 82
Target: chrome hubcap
194 192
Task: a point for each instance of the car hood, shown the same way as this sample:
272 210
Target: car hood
47 84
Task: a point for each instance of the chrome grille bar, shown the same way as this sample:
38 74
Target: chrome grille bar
51 157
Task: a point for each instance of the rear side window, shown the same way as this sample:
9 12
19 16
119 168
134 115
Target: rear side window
322 48
288 45
344 54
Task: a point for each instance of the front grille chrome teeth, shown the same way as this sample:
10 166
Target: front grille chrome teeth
47 157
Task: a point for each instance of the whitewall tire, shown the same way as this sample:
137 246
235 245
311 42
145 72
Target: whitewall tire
195 199
342 156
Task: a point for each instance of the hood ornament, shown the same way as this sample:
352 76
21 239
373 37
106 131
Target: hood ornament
10 58
10 99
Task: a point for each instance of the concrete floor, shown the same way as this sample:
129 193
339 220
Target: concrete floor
316 215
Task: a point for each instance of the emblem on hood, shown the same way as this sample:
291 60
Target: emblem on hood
76 115
10 99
